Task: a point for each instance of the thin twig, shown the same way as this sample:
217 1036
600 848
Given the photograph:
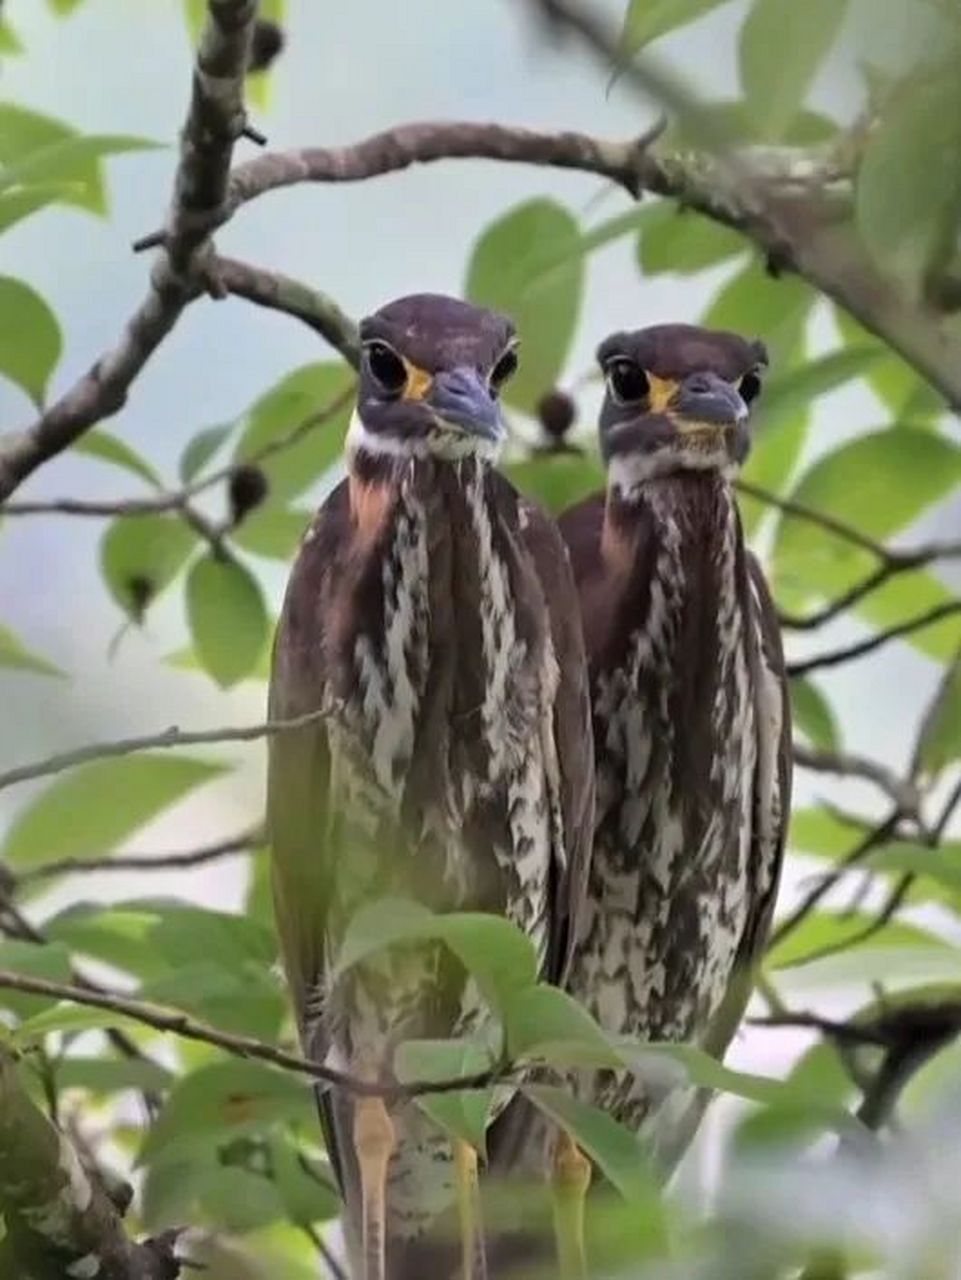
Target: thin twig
149 862
169 738
903 793
847 654
188 1028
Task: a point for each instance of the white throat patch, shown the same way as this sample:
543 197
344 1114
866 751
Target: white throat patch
627 472
446 441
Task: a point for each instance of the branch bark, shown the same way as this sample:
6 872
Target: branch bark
59 1221
214 122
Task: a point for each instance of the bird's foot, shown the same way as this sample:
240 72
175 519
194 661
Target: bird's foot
373 1144
570 1178
473 1257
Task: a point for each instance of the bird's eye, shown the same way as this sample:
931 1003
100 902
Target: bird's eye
749 387
505 368
386 366
627 381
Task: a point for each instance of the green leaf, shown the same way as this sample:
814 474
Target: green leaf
73 162
609 1144
528 264
306 1200
737 121
50 961
119 935
546 1024
757 305
677 241
645 20
30 339
558 480
898 384
97 806
941 865
941 744
223 1100
9 40
834 930
200 449
100 444
462 1114
72 1018
813 715
21 202
63 8
878 483
907 207
910 595
824 833
287 406
238 1200
274 532
13 653
246 1000
109 1076
774 86
498 955
186 659
786 393
228 618
141 556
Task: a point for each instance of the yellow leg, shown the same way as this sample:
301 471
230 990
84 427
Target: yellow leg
373 1142
473 1259
570 1179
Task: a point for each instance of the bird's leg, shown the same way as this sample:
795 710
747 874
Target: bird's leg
473 1258
570 1177
373 1143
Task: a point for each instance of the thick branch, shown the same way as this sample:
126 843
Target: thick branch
181 1024
59 1221
214 121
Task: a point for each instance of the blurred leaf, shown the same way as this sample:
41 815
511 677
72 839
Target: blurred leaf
62 8
200 449
509 271
546 1024
13 653
140 557
306 1200
774 86
117 935
304 392
775 450
677 241
878 483
100 444
227 617
21 202
908 209
72 1018
461 1114
645 20
910 595
820 831
614 1148
30 338
186 659
794 389
557 480
50 961
498 955
108 1076
274 532
822 930
97 806
897 383
757 305
941 744
9 41
941 864
195 11
738 121
246 1001
813 715
236 1199
223 1100
186 934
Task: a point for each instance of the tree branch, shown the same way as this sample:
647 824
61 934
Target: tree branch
181 1024
241 843
214 122
172 737
903 792
837 656
59 1220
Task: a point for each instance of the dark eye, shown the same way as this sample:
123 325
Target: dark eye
749 387
627 381
386 366
505 368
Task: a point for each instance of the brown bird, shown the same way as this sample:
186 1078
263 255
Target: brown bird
431 612
691 715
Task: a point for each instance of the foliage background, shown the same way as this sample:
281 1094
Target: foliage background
107 67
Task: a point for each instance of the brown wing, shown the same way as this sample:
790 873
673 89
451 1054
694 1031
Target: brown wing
573 736
298 778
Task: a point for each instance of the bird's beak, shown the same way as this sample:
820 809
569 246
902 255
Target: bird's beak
706 400
462 398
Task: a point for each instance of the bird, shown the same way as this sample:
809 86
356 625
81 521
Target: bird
691 714
431 619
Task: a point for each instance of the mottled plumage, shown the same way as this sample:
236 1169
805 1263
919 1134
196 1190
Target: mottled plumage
431 610
691 714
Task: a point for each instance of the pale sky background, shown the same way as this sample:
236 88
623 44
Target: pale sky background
349 70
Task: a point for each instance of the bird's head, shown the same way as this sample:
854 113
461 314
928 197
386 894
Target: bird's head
678 399
431 371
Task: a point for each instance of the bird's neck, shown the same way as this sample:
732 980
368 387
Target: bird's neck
689 506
